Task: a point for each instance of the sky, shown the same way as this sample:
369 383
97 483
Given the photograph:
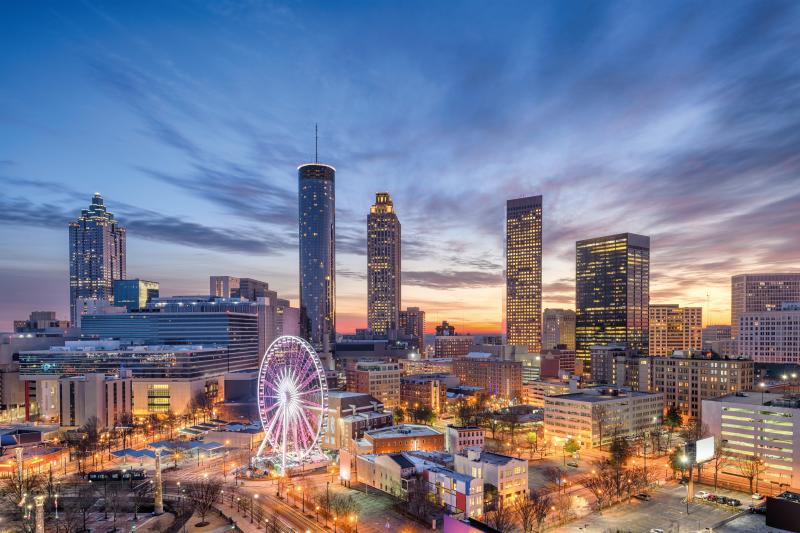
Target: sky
677 120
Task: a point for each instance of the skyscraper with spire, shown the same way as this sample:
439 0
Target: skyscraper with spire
96 254
383 265
317 217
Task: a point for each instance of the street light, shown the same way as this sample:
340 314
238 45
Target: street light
762 385
684 461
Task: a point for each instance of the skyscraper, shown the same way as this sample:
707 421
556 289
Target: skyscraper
558 328
96 254
317 203
383 265
134 294
753 293
524 272
412 323
674 328
612 293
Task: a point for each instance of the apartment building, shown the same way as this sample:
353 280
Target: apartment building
379 379
509 475
462 437
674 328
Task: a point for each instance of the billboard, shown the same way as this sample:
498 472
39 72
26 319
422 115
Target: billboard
705 450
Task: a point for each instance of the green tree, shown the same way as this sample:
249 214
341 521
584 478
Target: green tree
532 438
399 415
672 420
570 447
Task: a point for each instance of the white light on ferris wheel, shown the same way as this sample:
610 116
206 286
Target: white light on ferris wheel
292 399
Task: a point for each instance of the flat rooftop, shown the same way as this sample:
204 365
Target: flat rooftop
594 396
755 398
405 430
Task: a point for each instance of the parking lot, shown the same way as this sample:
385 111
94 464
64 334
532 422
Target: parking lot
666 510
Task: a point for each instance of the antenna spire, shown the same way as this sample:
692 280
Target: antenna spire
316 143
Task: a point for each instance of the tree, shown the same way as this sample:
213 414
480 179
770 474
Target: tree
676 462
203 494
203 403
570 447
719 460
170 422
17 494
125 426
465 413
399 415
531 510
113 500
694 430
83 502
620 451
142 494
600 484
501 516
532 438
555 475
599 413
751 468
672 420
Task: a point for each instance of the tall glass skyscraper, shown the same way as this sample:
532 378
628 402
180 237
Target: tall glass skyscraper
612 293
383 265
317 196
524 272
96 254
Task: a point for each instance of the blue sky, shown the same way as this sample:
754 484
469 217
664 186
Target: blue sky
676 120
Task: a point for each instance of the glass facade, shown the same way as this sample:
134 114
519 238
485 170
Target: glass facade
157 362
96 254
383 265
317 232
612 293
524 272
236 331
134 294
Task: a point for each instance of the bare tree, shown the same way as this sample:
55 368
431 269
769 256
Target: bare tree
694 430
113 501
83 502
17 494
203 403
719 460
142 494
69 519
501 516
531 510
751 468
601 485
203 494
599 413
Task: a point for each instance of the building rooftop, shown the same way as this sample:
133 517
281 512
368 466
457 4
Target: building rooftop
452 474
404 430
402 460
346 400
602 394
757 398
492 457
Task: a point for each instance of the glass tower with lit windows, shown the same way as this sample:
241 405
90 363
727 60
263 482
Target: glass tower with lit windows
96 254
317 203
383 265
612 293
524 272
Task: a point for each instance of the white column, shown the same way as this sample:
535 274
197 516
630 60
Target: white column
39 513
158 492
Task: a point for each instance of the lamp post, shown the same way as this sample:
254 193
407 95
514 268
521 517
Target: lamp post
303 494
762 386
334 523
685 461
251 508
316 511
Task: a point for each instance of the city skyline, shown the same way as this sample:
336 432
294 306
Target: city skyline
201 171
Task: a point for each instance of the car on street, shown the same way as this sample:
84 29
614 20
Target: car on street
643 496
733 502
702 494
757 496
573 464
656 530
757 509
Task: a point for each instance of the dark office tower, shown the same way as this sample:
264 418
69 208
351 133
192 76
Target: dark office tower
524 272
317 196
383 265
612 293
96 254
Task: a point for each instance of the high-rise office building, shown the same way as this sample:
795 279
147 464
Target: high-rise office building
558 327
134 294
412 323
96 254
753 293
675 328
233 287
383 265
317 209
612 293
524 272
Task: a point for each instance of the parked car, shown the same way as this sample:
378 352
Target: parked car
573 464
643 496
684 480
702 494
712 497
656 530
757 509
733 502
757 496
724 500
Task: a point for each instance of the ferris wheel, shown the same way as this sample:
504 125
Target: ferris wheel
292 400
